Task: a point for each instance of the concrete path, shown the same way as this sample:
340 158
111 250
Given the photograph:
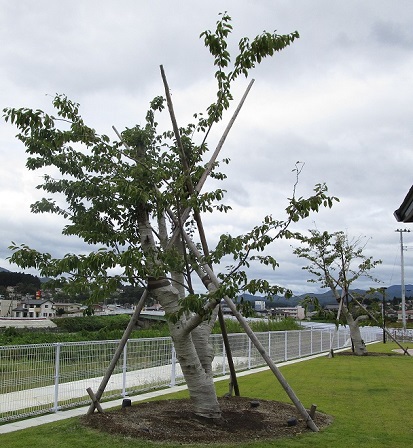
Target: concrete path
399 350
150 377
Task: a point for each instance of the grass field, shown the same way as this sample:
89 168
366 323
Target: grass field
368 397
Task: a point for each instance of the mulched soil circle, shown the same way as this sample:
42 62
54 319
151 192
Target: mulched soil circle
243 420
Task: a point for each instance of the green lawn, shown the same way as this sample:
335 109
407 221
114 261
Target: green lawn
369 398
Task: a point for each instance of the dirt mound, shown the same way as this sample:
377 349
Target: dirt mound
243 419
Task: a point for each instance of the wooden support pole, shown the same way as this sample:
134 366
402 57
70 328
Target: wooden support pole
211 163
244 324
118 351
198 219
331 354
234 381
95 401
312 411
405 350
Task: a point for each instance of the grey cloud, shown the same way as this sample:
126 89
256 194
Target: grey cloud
393 34
338 99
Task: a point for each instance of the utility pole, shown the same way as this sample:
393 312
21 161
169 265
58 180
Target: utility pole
401 231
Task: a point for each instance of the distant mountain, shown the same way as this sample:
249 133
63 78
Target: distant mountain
327 297
42 279
396 291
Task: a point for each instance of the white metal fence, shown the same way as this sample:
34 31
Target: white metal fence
42 378
402 335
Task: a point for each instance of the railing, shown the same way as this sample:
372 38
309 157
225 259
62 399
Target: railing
41 378
402 335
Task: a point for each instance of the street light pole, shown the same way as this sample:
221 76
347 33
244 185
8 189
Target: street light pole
402 278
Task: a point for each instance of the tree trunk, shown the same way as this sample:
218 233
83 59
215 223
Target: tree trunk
197 374
360 348
200 338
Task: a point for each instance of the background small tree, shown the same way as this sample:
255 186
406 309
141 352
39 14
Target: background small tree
337 262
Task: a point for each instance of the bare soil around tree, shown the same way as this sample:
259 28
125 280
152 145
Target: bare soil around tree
243 420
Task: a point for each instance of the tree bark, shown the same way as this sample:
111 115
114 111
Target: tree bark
197 374
360 348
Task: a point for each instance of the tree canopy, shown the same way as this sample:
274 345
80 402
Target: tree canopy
104 185
138 200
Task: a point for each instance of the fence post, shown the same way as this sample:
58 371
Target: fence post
56 377
124 369
311 341
299 344
285 346
249 353
224 357
173 368
321 340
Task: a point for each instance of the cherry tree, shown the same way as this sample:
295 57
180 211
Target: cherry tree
138 201
335 261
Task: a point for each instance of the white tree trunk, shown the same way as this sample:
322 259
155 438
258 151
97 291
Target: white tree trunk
200 338
360 348
197 374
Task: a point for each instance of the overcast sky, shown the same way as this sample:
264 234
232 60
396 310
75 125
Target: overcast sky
339 99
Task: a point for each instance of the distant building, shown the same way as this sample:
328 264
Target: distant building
6 307
154 307
334 307
11 291
296 312
68 308
34 308
259 305
409 315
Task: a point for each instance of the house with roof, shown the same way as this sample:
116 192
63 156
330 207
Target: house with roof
34 308
68 307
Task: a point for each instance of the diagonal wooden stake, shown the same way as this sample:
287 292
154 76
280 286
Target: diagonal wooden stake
184 217
211 163
406 352
212 278
197 216
95 400
215 281
118 352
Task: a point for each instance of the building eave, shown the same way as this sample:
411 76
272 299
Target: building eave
405 212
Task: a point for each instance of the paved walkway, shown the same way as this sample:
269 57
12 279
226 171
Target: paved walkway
409 351
61 415
44 396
